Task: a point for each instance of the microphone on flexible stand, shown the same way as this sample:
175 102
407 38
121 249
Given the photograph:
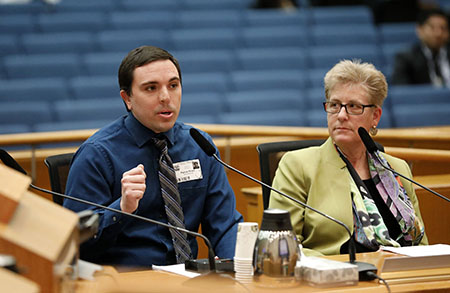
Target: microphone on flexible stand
363 268
372 149
10 162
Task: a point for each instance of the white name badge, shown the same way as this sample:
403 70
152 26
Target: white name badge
188 170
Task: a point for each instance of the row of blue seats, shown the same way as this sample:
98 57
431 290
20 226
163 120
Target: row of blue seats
405 106
206 38
177 16
105 86
117 5
309 61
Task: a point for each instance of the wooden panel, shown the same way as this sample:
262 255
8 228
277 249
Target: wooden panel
12 282
435 211
38 236
12 187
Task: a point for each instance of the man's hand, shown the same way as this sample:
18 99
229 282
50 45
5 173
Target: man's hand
133 188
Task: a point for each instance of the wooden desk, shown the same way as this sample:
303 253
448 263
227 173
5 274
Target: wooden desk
435 211
157 281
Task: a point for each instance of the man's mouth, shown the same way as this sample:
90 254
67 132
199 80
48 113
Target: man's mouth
166 113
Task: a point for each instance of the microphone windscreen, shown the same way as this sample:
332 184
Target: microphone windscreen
367 140
204 144
10 162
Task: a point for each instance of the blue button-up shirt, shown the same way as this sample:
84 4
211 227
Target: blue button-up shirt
96 173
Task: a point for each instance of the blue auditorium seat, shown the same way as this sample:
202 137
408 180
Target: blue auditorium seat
328 56
42 65
358 15
16 23
392 33
37 89
316 118
33 7
276 17
205 82
89 109
203 119
258 100
70 125
401 95
274 36
343 34
270 58
94 87
25 112
386 119
214 4
315 97
275 118
9 44
210 19
198 61
63 42
444 4
72 21
202 104
14 128
389 50
149 5
153 19
103 63
421 115
204 39
267 79
316 77
85 5
126 40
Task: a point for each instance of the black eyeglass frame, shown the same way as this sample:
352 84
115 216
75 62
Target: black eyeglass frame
345 107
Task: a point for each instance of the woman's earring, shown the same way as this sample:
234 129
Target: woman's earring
373 130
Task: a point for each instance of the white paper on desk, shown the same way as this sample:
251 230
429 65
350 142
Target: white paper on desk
86 270
176 269
423 250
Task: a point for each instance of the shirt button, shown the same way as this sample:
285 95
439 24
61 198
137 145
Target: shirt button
114 218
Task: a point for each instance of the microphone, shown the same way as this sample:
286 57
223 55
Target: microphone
10 162
372 149
363 268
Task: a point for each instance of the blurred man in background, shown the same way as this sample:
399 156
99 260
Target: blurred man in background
426 62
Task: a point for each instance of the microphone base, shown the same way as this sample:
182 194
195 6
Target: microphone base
202 265
363 269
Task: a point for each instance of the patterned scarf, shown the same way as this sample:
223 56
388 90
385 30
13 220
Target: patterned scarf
370 229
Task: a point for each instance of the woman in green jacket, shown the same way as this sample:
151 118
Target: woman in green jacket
380 208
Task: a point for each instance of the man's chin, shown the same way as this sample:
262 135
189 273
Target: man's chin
162 127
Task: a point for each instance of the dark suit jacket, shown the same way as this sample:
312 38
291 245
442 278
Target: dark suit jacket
410 67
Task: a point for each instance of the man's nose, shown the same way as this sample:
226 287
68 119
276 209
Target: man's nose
164 94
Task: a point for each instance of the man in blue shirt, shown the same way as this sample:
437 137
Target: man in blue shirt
118 167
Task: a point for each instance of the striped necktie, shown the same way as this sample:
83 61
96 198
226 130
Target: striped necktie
172 201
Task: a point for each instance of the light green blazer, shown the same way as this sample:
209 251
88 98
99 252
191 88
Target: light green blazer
318 177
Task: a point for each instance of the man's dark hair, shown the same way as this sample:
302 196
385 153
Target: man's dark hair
140 57
425 14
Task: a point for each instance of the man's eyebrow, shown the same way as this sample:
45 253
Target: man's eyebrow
156 82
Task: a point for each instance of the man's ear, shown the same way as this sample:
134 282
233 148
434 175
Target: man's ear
126 99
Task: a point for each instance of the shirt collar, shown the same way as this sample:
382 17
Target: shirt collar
142 134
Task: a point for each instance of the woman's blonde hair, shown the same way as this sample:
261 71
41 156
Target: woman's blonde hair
357 73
